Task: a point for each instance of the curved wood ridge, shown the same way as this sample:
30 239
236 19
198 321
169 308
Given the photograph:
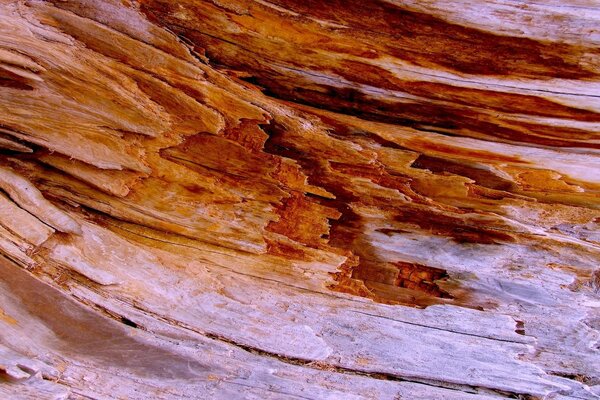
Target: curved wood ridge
307 199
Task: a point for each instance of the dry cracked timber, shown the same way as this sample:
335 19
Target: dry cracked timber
299 199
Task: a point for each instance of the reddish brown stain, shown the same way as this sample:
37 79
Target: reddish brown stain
248 134
461 230
14 81
420 277
459 152
427 40
379 28
480 176
289 62
499 101
286 250
455 118
421 39
304 220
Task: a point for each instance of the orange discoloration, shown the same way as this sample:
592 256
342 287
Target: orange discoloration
308 131
303 48
427 146
7 318
304 221
541 180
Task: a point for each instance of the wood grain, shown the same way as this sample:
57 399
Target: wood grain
299 199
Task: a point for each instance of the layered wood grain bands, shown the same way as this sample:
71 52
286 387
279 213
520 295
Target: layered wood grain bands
299 199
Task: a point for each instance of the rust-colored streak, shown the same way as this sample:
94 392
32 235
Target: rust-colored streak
486 99
271 172
288 58
458 152
13 81
401 33
484 118
304 221
420 277
451 46
214 169
479 175
461 230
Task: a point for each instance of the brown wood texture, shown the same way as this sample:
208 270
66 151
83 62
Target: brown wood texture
299 199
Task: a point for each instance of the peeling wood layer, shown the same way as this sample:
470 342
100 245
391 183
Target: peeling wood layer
299 199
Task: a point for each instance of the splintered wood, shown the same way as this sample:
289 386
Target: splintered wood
299 199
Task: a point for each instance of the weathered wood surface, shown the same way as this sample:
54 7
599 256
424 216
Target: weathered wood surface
299 199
